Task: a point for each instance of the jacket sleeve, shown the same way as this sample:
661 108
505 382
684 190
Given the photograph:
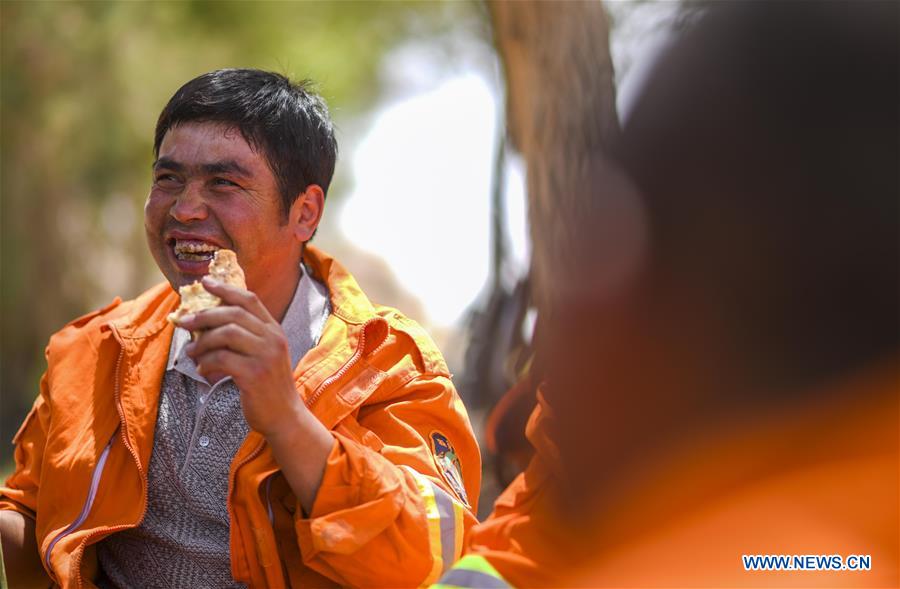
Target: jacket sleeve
399 490
19 492
522 542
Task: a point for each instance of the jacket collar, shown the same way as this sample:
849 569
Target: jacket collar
347 299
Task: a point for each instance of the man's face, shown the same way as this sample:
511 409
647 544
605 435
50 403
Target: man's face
211 190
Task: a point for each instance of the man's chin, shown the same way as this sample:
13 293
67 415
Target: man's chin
179 279
186 273
194 269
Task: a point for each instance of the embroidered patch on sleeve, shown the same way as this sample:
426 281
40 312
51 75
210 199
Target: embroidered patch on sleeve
448 464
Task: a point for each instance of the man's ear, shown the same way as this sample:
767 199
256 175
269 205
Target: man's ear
306 212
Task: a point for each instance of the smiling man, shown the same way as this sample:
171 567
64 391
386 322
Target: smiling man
306 437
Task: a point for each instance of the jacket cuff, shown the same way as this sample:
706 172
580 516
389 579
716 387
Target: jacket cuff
360 496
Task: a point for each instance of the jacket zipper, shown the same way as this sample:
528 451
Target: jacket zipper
360 350
269 500
231 480
88 503
122 429
95 483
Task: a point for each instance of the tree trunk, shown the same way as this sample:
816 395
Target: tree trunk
561 116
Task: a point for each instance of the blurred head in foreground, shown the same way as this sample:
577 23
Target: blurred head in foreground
762 157
721 370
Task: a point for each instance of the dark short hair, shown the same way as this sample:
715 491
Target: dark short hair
285 120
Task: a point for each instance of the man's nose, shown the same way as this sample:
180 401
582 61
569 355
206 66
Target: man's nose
190 204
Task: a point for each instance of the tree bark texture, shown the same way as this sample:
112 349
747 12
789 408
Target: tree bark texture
561 116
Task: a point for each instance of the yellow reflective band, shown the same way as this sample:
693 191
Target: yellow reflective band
472 572
476 562
434 529
458 514
445 516
434 526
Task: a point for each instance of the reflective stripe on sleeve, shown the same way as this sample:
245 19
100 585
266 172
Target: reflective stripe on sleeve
458 517
472 572
445 523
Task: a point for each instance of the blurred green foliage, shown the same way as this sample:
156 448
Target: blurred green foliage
82 85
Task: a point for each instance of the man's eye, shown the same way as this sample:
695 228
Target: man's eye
166 180
223 182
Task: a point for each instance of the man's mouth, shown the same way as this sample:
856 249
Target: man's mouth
190 250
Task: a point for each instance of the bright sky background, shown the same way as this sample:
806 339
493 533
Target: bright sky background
421 200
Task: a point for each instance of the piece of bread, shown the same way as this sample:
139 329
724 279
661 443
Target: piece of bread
224 268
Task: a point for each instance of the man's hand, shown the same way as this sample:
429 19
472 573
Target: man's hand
242 340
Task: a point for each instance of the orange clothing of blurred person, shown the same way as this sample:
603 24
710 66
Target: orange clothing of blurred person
813 481
730 389
818 479
304 437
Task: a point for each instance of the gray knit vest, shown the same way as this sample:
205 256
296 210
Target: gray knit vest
183 540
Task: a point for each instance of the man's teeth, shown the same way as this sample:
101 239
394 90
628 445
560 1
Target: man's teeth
194 247
194 257
194 251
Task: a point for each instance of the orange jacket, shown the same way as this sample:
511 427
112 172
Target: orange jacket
387 512
817 479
